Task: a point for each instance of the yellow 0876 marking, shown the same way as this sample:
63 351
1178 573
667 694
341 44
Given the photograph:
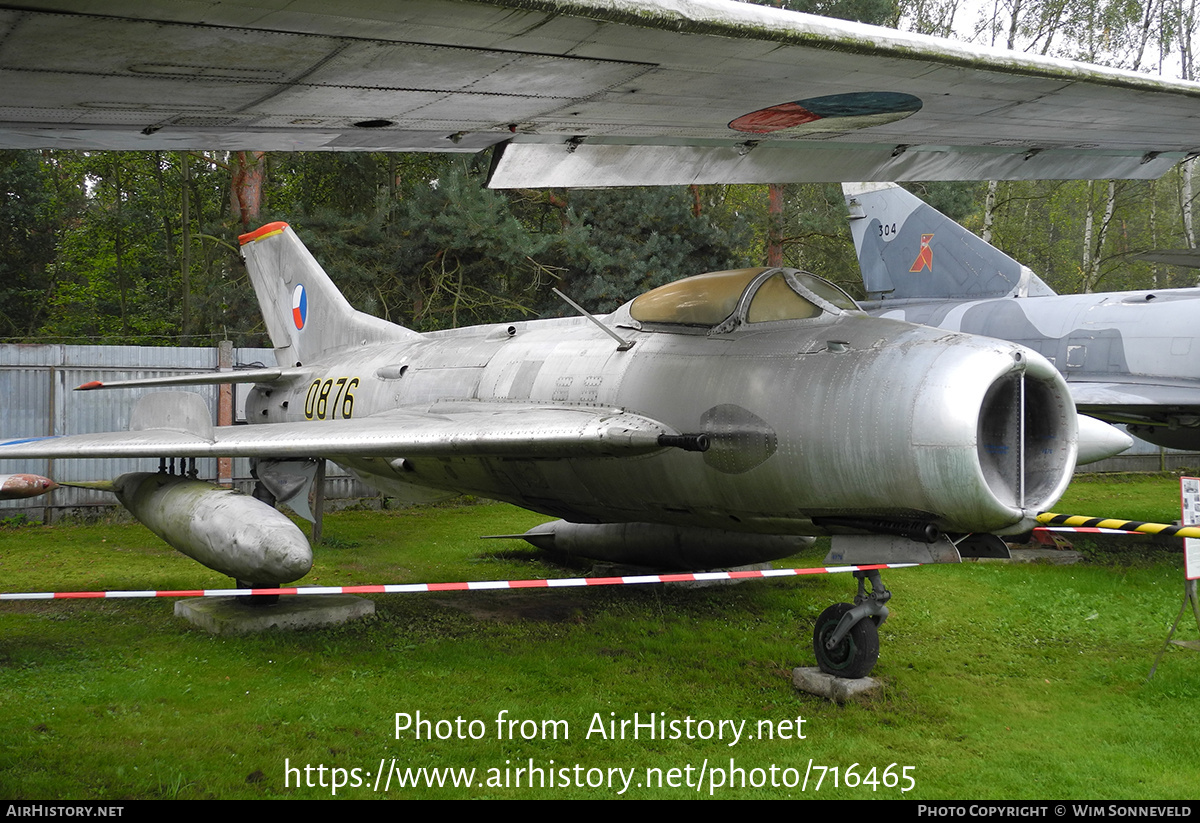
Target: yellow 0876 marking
318 405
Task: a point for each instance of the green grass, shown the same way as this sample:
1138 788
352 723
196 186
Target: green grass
1000 681
1124 495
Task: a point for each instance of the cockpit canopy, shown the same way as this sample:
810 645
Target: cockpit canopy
748 295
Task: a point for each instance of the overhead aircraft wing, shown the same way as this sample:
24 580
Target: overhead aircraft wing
578 92
445 430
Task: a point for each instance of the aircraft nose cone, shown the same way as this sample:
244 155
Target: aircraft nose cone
1098 440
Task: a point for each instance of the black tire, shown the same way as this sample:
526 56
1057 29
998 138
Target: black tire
855 656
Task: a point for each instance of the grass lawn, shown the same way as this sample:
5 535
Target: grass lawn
1001 681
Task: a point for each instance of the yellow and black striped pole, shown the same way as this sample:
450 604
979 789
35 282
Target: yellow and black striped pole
1160 529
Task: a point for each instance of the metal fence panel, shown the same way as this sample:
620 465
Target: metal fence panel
37 385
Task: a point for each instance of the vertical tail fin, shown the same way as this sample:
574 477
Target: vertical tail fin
306 315
909 250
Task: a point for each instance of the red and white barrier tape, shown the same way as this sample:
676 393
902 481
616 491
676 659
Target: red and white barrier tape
413 588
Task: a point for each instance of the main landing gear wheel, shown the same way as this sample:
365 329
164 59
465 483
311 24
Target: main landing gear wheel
856 654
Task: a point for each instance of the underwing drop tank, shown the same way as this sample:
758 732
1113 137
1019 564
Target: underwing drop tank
660 546
229 532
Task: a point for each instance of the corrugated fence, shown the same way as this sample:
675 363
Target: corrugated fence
1145 457
37 399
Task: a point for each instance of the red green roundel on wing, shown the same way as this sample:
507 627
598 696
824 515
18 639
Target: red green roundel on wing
299 306
833 112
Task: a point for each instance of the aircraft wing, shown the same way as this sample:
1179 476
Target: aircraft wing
578 92
1162 413
1149 397
449 430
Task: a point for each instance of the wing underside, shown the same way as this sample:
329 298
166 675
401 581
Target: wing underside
1165 415
578 92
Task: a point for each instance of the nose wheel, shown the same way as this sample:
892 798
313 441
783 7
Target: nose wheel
846 637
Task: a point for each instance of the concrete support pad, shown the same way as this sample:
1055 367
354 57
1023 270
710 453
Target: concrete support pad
235 615
1056 557
815 681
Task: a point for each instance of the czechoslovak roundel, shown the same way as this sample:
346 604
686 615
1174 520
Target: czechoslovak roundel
299 306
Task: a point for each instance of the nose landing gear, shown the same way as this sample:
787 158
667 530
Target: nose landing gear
846 637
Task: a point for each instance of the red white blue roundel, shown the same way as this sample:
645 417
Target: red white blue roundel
831 113
299 306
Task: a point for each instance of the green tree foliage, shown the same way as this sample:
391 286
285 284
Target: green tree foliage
111 284
1042 224
35 208
879 12
112 240
813 230
465 256
94 244
436 252
619 243
431 247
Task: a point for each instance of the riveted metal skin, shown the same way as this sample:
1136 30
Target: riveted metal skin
908 422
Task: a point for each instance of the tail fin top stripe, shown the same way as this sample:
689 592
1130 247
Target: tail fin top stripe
268 230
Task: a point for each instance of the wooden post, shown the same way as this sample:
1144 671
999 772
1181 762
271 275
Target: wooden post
318 507
225 409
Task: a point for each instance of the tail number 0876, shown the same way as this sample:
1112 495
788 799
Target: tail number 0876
319 405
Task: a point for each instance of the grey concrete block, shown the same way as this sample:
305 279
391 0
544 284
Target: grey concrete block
840 689
234 615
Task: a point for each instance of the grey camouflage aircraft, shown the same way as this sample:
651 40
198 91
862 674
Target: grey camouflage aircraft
1128 357
718 420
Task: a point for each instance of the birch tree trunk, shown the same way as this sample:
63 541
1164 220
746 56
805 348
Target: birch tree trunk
989 211
1093 255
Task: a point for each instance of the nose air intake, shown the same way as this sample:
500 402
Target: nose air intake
1023 424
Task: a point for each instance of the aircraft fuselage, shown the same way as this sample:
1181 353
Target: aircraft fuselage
834 416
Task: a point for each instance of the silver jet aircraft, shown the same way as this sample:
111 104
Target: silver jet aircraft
717 420
705 423
1128 357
